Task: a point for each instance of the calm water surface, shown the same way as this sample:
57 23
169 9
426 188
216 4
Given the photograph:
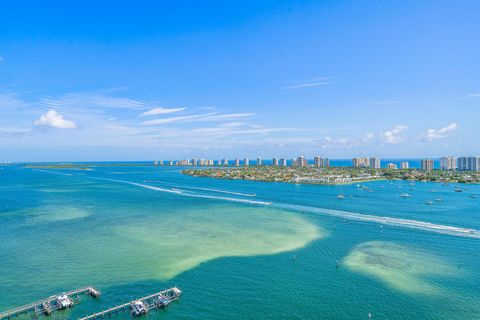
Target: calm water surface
230 245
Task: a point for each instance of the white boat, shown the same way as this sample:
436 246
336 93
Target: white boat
138 308
341 196
439 199
405 195
429 202
64 302
474 196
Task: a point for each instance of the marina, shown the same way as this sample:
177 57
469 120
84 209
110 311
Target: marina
142 306
49 305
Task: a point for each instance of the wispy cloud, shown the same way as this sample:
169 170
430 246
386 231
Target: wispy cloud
212 116
436 134
13 132
86 100
174 119
315 82
159 111
53 119
395 135
470 96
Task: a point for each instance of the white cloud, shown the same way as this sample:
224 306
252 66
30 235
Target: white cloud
174 119
470 96
55 120
315 82
158 111
92 100
368 137
212 116
435 134
395 135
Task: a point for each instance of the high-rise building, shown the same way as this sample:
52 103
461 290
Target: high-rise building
294 162
427 164
404 165
194 162
360 162
225 162
392 166
320 162
246 163
275 162
448 163
237 162
259 161
283 162
301 161
468 163
374 163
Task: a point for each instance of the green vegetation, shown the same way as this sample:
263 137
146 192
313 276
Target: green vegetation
332 175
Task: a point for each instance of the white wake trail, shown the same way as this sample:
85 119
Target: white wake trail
408 223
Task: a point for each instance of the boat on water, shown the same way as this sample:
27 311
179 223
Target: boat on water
458 189
341 196
138 308
438 199
405 195
429 202
474 196
64 302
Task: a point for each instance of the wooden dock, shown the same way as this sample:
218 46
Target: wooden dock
50 304
154 301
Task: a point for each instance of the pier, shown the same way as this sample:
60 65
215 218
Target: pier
51 304
141 306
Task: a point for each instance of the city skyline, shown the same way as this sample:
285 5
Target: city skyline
238 80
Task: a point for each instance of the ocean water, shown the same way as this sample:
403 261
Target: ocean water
239 249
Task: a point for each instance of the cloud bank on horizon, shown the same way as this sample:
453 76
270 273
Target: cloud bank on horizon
283 82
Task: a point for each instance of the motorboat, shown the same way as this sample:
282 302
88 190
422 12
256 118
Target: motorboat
405 195
138 308
64 301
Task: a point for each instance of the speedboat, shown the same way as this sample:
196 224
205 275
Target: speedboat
474 196
138 308
405 195
341 196
458 189
429 202
439 199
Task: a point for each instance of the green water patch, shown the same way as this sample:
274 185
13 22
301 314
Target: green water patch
179 242
125 247
404 268
59 213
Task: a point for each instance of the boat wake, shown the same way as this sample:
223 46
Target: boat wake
186 193
219 191
53 172
408 223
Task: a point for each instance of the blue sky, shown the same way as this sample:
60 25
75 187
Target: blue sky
150 79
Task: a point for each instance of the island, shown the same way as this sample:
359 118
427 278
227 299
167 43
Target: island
331 175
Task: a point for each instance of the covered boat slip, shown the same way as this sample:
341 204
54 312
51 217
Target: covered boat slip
142 306
51 304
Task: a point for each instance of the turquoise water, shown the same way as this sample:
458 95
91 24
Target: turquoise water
229 245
